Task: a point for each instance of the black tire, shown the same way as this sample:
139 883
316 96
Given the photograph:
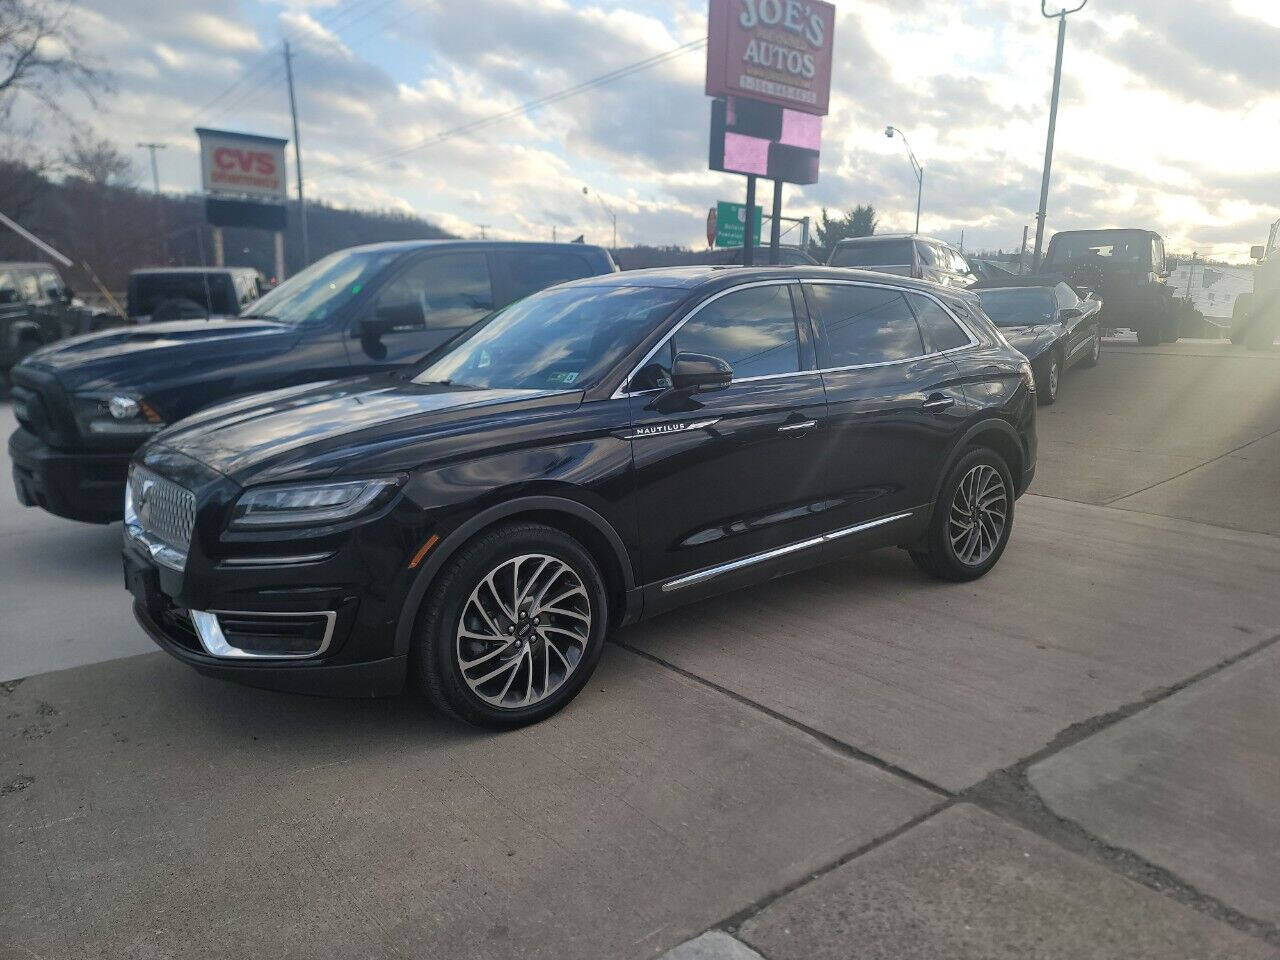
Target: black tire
434 654
1149 334
1260 334
937 555
1095 351
1047 380
1240 314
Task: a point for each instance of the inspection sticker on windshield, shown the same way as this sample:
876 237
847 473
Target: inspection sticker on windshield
563 376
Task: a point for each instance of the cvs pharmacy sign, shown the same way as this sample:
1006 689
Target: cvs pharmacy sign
242 164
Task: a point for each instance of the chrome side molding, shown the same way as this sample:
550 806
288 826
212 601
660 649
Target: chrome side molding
701 576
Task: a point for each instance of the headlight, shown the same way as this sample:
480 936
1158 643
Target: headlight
117 415
311 504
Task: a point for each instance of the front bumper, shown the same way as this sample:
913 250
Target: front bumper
68 483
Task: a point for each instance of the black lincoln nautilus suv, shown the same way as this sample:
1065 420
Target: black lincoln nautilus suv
600 451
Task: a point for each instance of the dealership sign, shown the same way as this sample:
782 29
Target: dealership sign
242 164
778 51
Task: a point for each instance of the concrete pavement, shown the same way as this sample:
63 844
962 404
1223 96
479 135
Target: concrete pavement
793 769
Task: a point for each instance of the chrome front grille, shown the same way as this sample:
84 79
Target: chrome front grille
160 515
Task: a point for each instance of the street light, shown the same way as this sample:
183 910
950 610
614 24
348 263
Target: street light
915 165
1053 121
613 216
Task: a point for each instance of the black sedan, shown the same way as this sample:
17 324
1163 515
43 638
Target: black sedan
1049 325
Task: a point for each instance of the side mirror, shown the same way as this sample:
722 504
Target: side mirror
1257 253
699 373
405 315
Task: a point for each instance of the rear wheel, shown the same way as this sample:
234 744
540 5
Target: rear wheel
1149 334
1240 313
971 521
513 627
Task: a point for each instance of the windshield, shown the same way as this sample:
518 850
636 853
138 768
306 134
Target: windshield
1103 246
555 340
873 253
181 296
325 286
1018 308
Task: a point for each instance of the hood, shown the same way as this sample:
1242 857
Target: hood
1031 340
125 357
316 429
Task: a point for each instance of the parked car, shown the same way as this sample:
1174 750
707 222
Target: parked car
37 307
83 406
606 449
1255 316
906 255
992 274
1127 269
161 294
1049 325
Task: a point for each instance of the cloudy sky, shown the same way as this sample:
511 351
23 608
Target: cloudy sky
1169 112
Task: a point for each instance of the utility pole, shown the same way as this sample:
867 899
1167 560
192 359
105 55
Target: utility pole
482 226
612 216
1053 122
297 155
161 225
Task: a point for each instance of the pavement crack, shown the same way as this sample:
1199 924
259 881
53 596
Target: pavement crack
1176 476
1009 793
828 741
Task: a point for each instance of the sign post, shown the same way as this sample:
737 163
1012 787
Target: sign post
245 182
769 66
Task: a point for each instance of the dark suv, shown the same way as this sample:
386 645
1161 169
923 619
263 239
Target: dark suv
1127 269
83 406
603 450
36 308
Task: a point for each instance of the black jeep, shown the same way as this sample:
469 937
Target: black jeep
1127 269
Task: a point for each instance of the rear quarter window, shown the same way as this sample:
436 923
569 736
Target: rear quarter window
939 330
529 272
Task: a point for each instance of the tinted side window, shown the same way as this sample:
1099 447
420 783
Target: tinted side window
50 285
864 324
928 253
438 292
1157 256
754 330
940 332
529 272
28 287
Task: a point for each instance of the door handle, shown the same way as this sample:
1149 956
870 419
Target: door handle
801 425
937 403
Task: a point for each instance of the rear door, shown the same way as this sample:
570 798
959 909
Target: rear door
433 298
894 396
724 476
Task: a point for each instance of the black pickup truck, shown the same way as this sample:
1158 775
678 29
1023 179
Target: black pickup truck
85 404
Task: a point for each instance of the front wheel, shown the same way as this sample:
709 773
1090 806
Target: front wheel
1048 376
971 520
1095 351
513 627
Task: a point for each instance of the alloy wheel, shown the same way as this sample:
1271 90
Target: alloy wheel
979 513
523 631
1053 377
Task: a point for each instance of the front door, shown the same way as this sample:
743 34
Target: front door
726 475
894 394
433 298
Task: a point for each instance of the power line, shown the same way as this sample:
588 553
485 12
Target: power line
620 73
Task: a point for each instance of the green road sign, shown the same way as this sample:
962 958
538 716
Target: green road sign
729 220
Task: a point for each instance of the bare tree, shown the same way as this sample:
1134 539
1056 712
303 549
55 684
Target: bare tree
42 53
98 161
